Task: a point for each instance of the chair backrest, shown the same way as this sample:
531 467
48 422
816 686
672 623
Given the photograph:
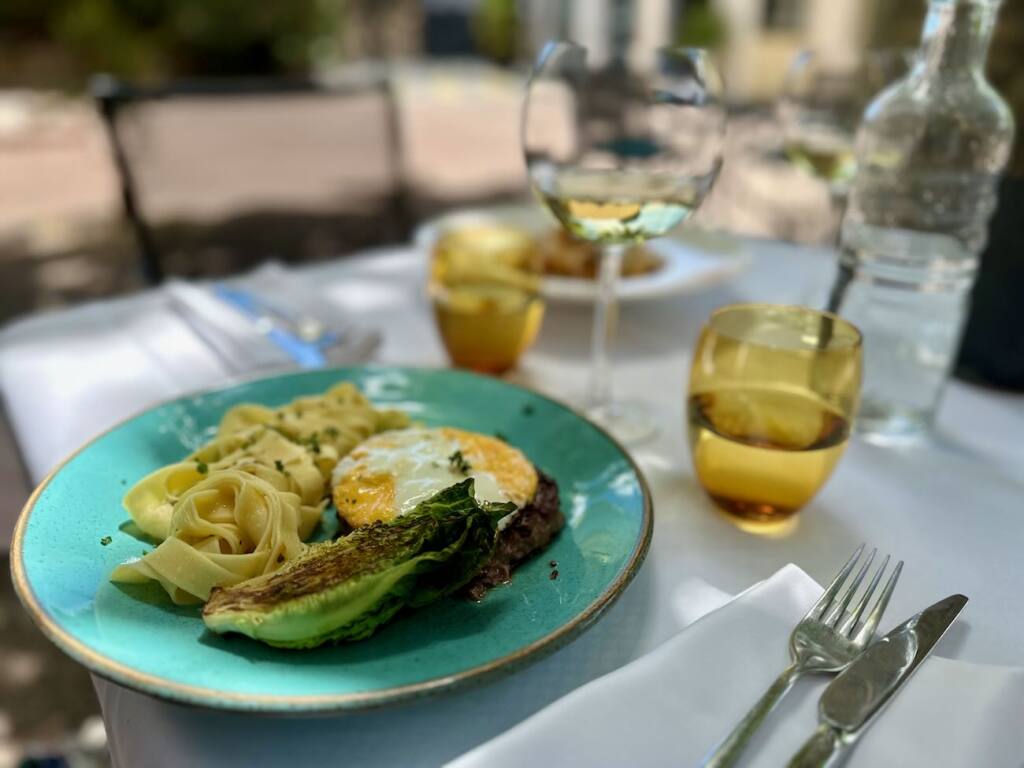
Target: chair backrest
218 175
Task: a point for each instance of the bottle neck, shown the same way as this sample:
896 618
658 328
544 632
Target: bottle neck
957 34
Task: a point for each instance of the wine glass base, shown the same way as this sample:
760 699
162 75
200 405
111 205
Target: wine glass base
630 422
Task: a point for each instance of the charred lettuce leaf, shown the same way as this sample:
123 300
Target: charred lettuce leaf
346 589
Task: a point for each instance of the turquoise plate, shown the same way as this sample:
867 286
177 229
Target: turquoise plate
61 568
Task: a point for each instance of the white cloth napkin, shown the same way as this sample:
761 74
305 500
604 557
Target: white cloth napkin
671 706
93 365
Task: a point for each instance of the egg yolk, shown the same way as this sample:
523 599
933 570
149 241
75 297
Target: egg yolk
365 499
510 469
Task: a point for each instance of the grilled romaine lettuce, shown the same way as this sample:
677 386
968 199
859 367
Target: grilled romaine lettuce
346 589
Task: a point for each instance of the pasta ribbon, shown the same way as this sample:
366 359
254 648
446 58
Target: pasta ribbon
227 528
243 503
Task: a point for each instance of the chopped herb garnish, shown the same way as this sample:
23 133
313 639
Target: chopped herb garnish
280 415
527 410
553 563
312 442
331 431
279 465
124 482
459 463
501 436
201 467
553 575
105 540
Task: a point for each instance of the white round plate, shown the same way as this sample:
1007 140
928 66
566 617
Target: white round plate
694 260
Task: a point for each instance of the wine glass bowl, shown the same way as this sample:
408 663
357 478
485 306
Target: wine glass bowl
818 112
621 153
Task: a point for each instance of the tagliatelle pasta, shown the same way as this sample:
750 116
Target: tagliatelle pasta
151 500
331 424
242 504
227 528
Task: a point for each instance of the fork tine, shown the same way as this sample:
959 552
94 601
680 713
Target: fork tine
837 610
833 589
850 622
863 637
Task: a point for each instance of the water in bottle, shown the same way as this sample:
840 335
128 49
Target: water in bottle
929 152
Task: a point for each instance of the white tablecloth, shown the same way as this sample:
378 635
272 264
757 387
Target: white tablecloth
954 511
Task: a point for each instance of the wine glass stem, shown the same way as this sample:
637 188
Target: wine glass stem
605 321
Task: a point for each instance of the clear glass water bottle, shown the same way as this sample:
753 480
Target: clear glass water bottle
929 153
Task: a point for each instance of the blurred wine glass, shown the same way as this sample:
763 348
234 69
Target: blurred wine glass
821 105
621 152
884 66
819 110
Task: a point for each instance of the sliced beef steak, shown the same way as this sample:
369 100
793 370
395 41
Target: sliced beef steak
530 531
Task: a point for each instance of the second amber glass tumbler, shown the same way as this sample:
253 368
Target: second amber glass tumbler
485 287
773 393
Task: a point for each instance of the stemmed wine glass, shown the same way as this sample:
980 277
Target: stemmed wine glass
620 152
819 110
821 106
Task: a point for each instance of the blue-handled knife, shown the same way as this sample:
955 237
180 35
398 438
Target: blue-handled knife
306 353
857 695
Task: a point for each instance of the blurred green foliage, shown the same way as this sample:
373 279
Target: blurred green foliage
700 26
147 39
495 26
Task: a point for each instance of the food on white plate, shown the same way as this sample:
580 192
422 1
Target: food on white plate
504 253
566 256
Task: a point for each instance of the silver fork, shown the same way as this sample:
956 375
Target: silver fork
827 639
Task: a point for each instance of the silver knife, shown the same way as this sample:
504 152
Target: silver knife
856 696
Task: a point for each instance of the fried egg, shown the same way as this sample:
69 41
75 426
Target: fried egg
389 474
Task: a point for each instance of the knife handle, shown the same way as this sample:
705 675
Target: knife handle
825 749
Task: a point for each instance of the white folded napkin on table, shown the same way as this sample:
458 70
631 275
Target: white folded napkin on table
88 367
673 705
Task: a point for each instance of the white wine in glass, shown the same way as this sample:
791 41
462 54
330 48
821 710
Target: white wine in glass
829 159
620 155
820 108
617 206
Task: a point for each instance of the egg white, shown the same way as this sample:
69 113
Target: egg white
419 462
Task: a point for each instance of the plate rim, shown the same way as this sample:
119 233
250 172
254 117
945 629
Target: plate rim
280 704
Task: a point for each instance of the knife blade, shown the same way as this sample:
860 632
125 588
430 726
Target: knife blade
858 694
